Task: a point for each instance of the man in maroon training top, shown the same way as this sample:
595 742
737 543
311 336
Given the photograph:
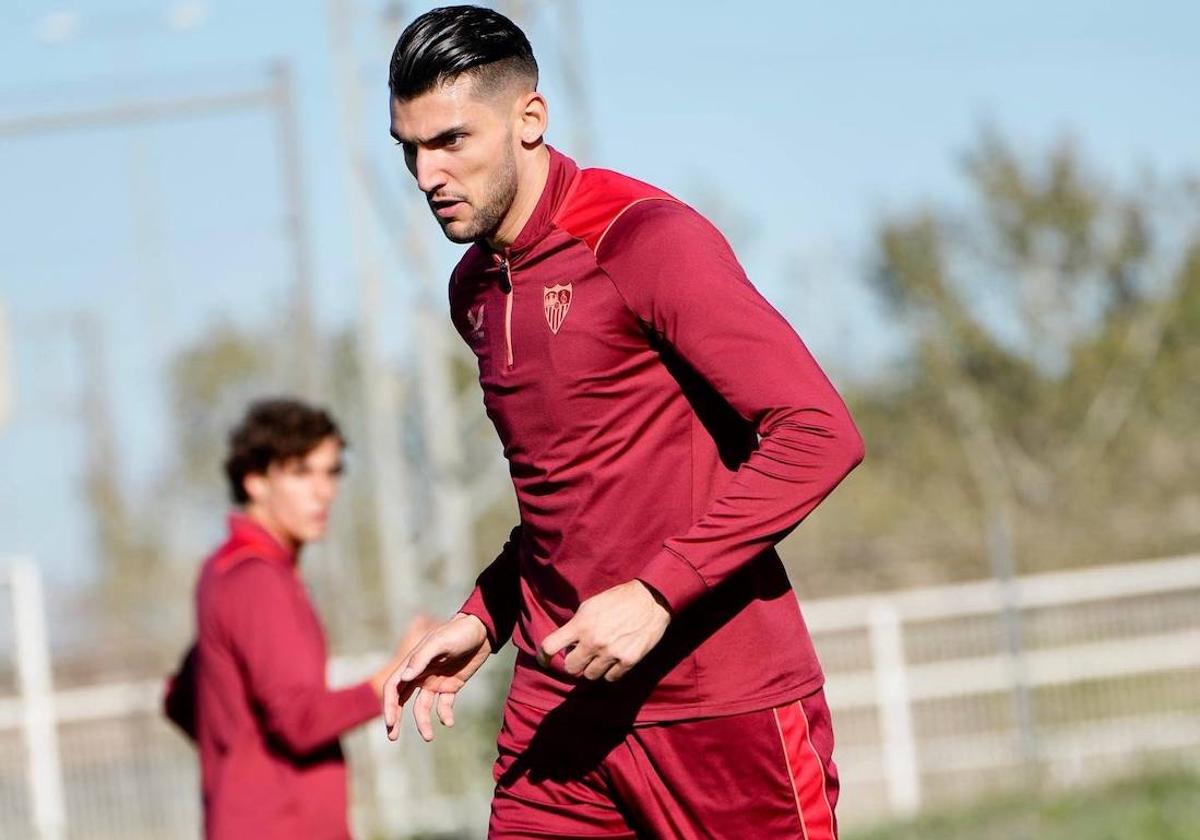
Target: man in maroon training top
664 428
252 690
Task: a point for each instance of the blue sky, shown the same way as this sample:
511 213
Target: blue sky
809 120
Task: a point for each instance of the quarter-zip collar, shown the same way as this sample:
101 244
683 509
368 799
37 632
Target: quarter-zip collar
246 532
559 179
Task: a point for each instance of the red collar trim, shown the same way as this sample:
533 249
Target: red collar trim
559 181
245 533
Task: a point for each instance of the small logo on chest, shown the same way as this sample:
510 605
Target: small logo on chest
556 300
475 320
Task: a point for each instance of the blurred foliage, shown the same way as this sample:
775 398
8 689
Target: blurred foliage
1158 806
1051 380
210 384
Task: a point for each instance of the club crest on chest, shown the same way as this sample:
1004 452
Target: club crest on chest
556 300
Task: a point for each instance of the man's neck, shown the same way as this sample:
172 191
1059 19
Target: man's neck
529 192
265 521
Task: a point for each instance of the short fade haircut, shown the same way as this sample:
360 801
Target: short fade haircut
274 431
448 42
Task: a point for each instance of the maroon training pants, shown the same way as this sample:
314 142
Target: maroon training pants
765 774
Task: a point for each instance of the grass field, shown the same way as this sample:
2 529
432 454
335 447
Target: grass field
1161 806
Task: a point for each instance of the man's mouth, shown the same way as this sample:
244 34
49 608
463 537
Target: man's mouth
445 208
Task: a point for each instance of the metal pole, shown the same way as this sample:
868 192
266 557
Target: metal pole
306 359
451 501
125 113
380 396
102 482
441 416
451 535
986 463
573 58
7 380
398 780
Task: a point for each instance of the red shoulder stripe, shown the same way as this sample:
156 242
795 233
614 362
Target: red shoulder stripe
596 199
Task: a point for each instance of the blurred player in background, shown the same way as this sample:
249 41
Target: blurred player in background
665 427
252 690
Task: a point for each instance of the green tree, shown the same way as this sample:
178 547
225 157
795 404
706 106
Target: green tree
1050 380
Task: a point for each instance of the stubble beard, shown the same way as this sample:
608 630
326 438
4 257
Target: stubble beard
490 212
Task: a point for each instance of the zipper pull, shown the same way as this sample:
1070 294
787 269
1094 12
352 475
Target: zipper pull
505 276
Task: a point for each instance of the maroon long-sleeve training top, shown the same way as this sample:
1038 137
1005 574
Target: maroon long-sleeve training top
662 422
253 694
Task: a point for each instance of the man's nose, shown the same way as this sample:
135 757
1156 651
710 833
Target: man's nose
430 177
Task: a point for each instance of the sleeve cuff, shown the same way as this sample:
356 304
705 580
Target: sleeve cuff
474 605
674 578
364 703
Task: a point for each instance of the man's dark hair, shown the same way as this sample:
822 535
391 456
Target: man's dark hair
443 44
272 432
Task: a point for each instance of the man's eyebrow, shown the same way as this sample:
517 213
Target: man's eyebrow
433 141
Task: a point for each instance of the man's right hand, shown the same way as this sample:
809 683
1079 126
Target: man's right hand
437 668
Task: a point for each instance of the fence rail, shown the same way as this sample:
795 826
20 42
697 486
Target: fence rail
1110 657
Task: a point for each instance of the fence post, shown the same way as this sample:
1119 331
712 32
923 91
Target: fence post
39 722
901 771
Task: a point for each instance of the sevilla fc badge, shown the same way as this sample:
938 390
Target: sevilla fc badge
557 300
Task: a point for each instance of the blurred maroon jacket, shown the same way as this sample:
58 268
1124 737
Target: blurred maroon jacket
252 693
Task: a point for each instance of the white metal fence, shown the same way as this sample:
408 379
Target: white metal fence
922 685
924 688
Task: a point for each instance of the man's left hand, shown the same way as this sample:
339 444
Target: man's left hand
611 632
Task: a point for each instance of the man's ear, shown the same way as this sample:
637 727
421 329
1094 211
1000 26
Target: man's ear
533 116
256 487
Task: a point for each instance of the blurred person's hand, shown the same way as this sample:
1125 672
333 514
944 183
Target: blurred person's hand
417 629
420 625
436 669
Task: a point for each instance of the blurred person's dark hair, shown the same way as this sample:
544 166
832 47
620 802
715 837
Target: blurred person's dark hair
445 43
274 431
